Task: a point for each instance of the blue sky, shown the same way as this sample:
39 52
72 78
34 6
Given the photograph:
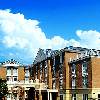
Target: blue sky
60 23
62 17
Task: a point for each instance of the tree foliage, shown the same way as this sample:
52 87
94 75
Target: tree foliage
3 88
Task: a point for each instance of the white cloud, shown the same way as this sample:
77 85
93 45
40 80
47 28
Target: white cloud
90 39
25 34
26 37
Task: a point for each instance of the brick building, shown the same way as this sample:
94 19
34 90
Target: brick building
71 73
18 79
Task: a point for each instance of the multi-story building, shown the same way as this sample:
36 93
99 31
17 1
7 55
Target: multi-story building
18 79
71 73
84 76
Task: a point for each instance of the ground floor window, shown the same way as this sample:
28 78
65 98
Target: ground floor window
61 97
73 96
98 96
14 78
8 78
85 96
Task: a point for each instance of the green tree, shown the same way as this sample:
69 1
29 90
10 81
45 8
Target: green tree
3 88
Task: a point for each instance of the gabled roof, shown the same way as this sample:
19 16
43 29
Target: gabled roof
10 63
41 55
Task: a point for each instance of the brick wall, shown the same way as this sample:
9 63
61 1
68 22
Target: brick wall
67 57
79 75
21 73
3 72
95 72
89 74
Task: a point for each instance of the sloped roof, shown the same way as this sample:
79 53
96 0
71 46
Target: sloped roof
11 63
40 56
43 55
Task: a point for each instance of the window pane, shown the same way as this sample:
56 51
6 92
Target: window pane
73 96
15 72
85 96
8 71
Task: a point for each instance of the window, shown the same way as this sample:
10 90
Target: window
41 71
54 84
8 78
73 96
15 72
85 75
61 58
26 79
85 82
15 78
61 76
27 72
73 69
85 96
46 71
73 83
54 61
9 71
84 69
98 96
61 97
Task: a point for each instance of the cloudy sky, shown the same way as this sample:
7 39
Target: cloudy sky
27 25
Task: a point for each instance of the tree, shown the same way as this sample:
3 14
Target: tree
3 88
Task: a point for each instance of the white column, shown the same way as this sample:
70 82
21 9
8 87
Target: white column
48 95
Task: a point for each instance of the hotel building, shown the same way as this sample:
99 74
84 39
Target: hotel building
71 73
